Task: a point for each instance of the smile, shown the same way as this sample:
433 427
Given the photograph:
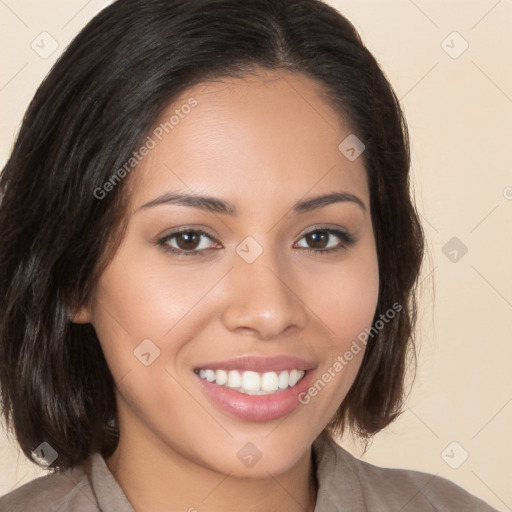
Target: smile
251 382
255 388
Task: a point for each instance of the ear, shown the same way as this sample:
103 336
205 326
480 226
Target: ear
81 316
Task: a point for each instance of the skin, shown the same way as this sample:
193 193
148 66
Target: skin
263 143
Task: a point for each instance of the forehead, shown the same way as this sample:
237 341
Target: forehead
271 133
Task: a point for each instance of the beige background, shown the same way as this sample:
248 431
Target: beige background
460 115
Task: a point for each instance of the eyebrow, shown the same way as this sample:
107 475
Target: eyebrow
214 205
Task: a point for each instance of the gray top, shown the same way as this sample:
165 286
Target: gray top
346 484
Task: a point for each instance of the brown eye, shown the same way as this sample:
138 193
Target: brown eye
317 239
323 241
188 240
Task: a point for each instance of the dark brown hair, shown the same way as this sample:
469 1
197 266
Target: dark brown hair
89 115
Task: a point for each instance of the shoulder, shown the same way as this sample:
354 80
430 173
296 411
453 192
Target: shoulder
58 491
390 489
416 490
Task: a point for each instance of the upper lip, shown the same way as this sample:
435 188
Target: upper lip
259 364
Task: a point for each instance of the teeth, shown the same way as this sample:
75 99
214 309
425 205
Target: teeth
253 383
269 381
294 377
234 379
284 379
221 377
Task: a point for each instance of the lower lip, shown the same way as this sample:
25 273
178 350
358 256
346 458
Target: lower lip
257 407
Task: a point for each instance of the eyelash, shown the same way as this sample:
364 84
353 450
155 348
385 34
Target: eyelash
346 241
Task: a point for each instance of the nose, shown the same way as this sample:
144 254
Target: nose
264 298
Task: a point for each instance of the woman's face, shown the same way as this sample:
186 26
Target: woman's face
268 283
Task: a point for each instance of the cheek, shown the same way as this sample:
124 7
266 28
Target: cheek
147 306
345 297
353 304
139 298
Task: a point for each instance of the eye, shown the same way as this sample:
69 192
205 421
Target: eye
324 240
188 242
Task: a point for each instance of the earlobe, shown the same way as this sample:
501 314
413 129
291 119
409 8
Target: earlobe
81 316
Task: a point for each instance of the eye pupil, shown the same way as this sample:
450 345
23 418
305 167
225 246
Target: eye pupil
187 240
317 239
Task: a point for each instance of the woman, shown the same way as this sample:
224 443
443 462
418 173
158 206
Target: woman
209 257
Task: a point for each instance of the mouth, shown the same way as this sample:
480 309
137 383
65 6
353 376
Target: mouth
256 388
251 382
